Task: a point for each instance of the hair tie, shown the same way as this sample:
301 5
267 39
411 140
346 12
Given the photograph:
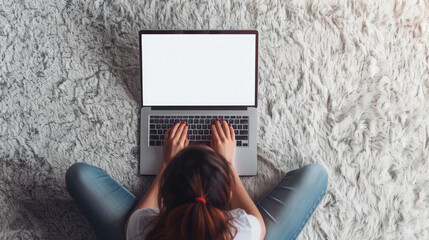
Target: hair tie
200 199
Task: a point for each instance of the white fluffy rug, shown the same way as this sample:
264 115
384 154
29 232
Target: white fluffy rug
342 83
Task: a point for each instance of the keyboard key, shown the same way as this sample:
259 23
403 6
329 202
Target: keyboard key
200 131
164 126
244 121
189 131
243 132
204 137
244 126
158 143
195 132
245 144
151 143
234 126
245 116
158 126
198 137
206 131
199 126
152 131
200 142
236 132
161 120
152 120
238 143
160 131
192 137
240 126
152 126
240 137
154 137
204 126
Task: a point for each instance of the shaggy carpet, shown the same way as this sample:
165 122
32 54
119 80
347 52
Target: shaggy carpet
342 83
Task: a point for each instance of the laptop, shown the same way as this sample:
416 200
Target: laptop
199 76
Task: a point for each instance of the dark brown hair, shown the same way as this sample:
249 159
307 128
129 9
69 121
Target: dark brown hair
195 172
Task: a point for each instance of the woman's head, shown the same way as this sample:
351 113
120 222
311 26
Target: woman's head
196 171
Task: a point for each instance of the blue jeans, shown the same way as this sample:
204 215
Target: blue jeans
287 208
107 205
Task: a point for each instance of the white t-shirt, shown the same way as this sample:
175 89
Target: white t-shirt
247 225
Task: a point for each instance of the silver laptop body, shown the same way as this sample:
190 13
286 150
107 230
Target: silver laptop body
180 72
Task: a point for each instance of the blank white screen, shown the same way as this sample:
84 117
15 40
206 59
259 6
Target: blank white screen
198 69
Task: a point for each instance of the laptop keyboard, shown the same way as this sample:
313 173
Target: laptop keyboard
199 130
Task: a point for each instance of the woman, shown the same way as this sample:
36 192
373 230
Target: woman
195 190
197 195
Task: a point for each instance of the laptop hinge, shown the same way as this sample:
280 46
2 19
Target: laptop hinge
199 108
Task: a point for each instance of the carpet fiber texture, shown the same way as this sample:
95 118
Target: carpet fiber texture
342 83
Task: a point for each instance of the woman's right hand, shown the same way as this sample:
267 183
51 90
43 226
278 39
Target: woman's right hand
223 140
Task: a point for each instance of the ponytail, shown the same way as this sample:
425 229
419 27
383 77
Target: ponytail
196 220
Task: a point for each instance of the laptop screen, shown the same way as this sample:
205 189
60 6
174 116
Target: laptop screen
198 69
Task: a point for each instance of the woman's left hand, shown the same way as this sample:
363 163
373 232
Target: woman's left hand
175 139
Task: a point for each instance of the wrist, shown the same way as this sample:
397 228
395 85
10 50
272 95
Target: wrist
163 167
234 172
232 165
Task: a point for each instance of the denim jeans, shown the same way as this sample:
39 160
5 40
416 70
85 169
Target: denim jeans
107 205
287 208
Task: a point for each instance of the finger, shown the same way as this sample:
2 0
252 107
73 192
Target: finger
186 142
184 133
174 129
167 133
220 132
226 129
179 131
232 132
211 141
215 135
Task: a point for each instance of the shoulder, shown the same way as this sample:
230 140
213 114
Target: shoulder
146 212
248 226
138 221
